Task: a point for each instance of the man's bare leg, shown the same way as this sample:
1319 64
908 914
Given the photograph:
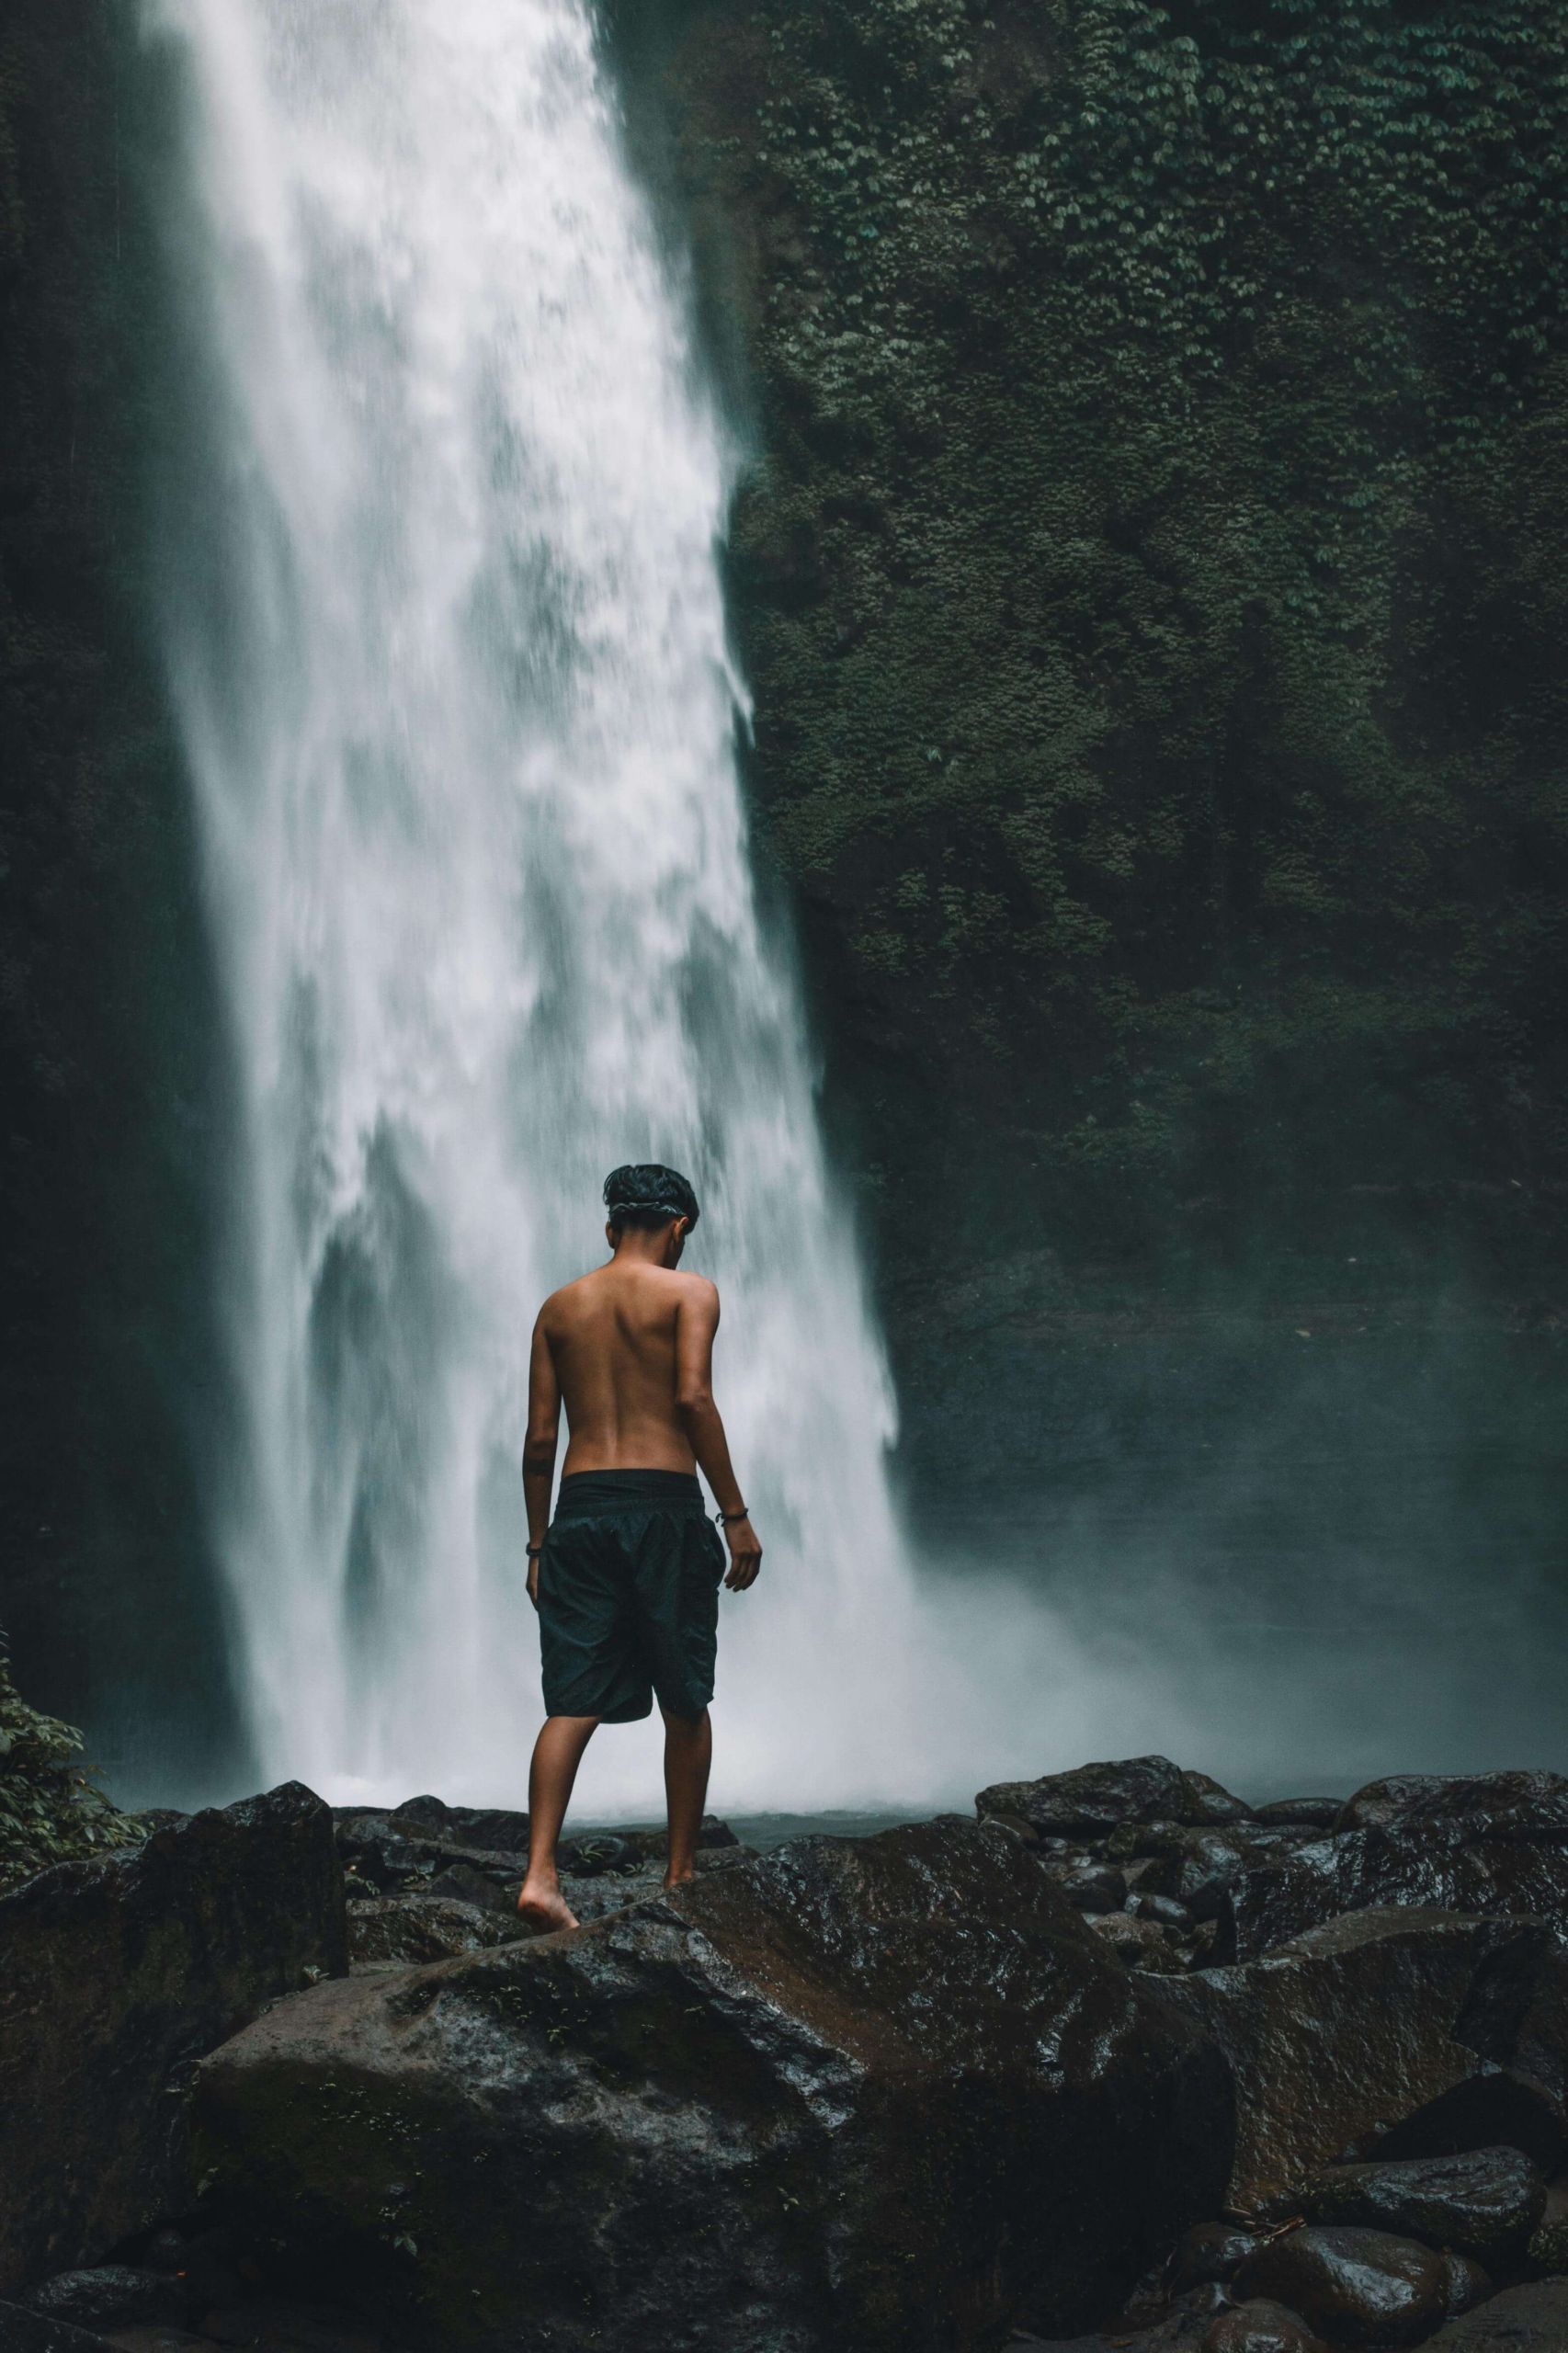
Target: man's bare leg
689 1752
558 1752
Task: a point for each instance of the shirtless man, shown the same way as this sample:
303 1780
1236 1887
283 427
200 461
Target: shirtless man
626 1578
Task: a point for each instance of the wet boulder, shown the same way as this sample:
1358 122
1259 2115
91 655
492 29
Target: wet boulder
108 2295
1333 2037
461 1884
1433 1863
1357 2288
1208 1801
1527 1803
1260 2326
851 2091
1485 2203
1093 1799
401 1931
119 1975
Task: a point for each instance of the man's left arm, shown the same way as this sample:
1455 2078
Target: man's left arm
539 1448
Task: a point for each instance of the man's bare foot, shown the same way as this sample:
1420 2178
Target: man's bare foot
679 1879
545 1907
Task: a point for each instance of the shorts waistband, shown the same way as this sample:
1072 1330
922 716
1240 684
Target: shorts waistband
597 1494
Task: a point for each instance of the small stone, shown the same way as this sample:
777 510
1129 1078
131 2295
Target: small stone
1548 2249
1211 2251
1260 2326
1469 2283
1104 1890
1167 1911
1357 2288
1141 1944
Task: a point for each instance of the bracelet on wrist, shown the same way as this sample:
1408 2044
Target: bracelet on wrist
742 1514
533 1551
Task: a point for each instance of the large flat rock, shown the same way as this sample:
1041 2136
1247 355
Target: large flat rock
1335 2035
884 2092
117 1976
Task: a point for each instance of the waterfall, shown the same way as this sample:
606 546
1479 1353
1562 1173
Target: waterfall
451 669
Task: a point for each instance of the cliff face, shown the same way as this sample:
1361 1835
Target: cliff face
106 1054
1152 586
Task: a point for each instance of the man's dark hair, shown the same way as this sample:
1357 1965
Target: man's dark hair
645 1196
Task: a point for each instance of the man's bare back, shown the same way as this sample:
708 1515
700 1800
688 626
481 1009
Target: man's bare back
630 1610
625 1343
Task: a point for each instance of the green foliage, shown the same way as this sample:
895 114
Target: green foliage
49 1810
1150 588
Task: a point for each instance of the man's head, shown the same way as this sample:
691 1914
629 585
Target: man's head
645 1198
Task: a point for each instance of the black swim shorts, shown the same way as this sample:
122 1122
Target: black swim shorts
629 1597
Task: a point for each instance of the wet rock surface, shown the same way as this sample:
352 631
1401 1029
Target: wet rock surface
1332 2036
1261 2327
1485 2203
834 2088
119 1976
111 2295
1358 2287
1095 1798
392 1931
808 2103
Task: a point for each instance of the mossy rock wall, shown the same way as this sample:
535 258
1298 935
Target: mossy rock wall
1151 583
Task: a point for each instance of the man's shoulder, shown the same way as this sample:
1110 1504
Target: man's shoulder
562 1301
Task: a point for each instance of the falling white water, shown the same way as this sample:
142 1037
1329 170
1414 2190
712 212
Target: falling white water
460 718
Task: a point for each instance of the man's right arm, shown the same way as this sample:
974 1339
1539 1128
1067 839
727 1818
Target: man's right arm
697 1320
539 1448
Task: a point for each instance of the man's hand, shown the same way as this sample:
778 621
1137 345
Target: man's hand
746 1555
533 1578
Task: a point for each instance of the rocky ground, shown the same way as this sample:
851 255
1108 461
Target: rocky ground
1121 2061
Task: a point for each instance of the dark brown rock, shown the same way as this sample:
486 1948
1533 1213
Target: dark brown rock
1332 2037
1093 1799
1485 2203
404 1930
1357 2288
847 2092
1521 2320
1260 2326
119 1975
